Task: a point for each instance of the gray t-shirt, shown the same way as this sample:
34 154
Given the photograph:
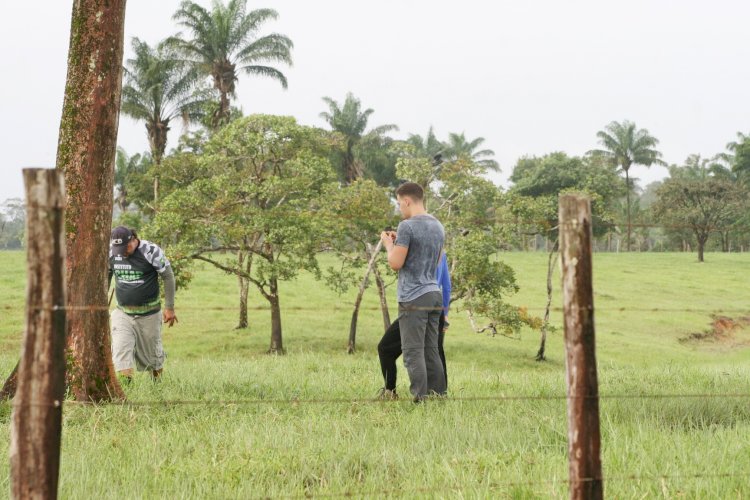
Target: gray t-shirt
424 236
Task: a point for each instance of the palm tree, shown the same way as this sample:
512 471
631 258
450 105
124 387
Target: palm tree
736 157
159 88
699 168
460 147
225 41
125 168
741 138
351 122
625 146
429 145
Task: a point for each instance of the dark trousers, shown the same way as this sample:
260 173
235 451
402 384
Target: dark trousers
389 350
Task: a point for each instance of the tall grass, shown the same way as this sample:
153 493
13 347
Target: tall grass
257 446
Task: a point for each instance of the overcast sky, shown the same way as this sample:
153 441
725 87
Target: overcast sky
530 77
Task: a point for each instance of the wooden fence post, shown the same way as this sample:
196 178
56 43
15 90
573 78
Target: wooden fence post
36 422
585 471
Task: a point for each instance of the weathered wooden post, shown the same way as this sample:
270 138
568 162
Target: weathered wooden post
36 422
585 470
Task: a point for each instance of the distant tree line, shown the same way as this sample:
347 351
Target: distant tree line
12 224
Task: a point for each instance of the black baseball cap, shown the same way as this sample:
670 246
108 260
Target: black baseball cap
121 236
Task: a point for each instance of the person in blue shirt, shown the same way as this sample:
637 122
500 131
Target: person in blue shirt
389 348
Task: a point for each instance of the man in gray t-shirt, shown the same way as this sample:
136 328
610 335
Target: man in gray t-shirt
414 251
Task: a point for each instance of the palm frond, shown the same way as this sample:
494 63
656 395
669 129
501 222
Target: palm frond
268 72
270 48
384 129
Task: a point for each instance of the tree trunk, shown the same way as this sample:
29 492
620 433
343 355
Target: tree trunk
358 301
224 111
627 194
383 298
10 385
550 269
156 189
277 347
701 246
157 138
244 288
382 295
86 155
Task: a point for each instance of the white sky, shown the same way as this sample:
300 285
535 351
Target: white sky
530 76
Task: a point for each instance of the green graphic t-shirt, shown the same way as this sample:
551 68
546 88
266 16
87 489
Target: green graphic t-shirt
137 278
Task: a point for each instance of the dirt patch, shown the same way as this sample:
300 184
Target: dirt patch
723 331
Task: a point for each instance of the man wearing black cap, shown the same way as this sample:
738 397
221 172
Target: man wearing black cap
136 323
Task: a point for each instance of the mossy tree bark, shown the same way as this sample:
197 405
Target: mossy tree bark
86 155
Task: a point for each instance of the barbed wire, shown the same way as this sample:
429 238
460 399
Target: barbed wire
349 308
376 401
543 226
546 225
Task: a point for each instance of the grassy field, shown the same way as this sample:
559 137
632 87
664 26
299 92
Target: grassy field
452 448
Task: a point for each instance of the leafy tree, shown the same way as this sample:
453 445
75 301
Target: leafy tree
225 41
545 178
553 173
351 122
159 88
460 147
419 169
703 204
533 203
263 182
698 168
466 203
354 216
625 145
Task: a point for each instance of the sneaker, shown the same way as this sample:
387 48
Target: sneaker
386 395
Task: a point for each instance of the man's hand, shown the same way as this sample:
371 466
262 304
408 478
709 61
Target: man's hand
388 238
169 317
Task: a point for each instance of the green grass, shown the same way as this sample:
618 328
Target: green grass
453 448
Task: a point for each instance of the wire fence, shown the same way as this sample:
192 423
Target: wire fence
344 308
484 486
543 226
377 401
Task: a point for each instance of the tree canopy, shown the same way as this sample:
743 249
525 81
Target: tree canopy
263 184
